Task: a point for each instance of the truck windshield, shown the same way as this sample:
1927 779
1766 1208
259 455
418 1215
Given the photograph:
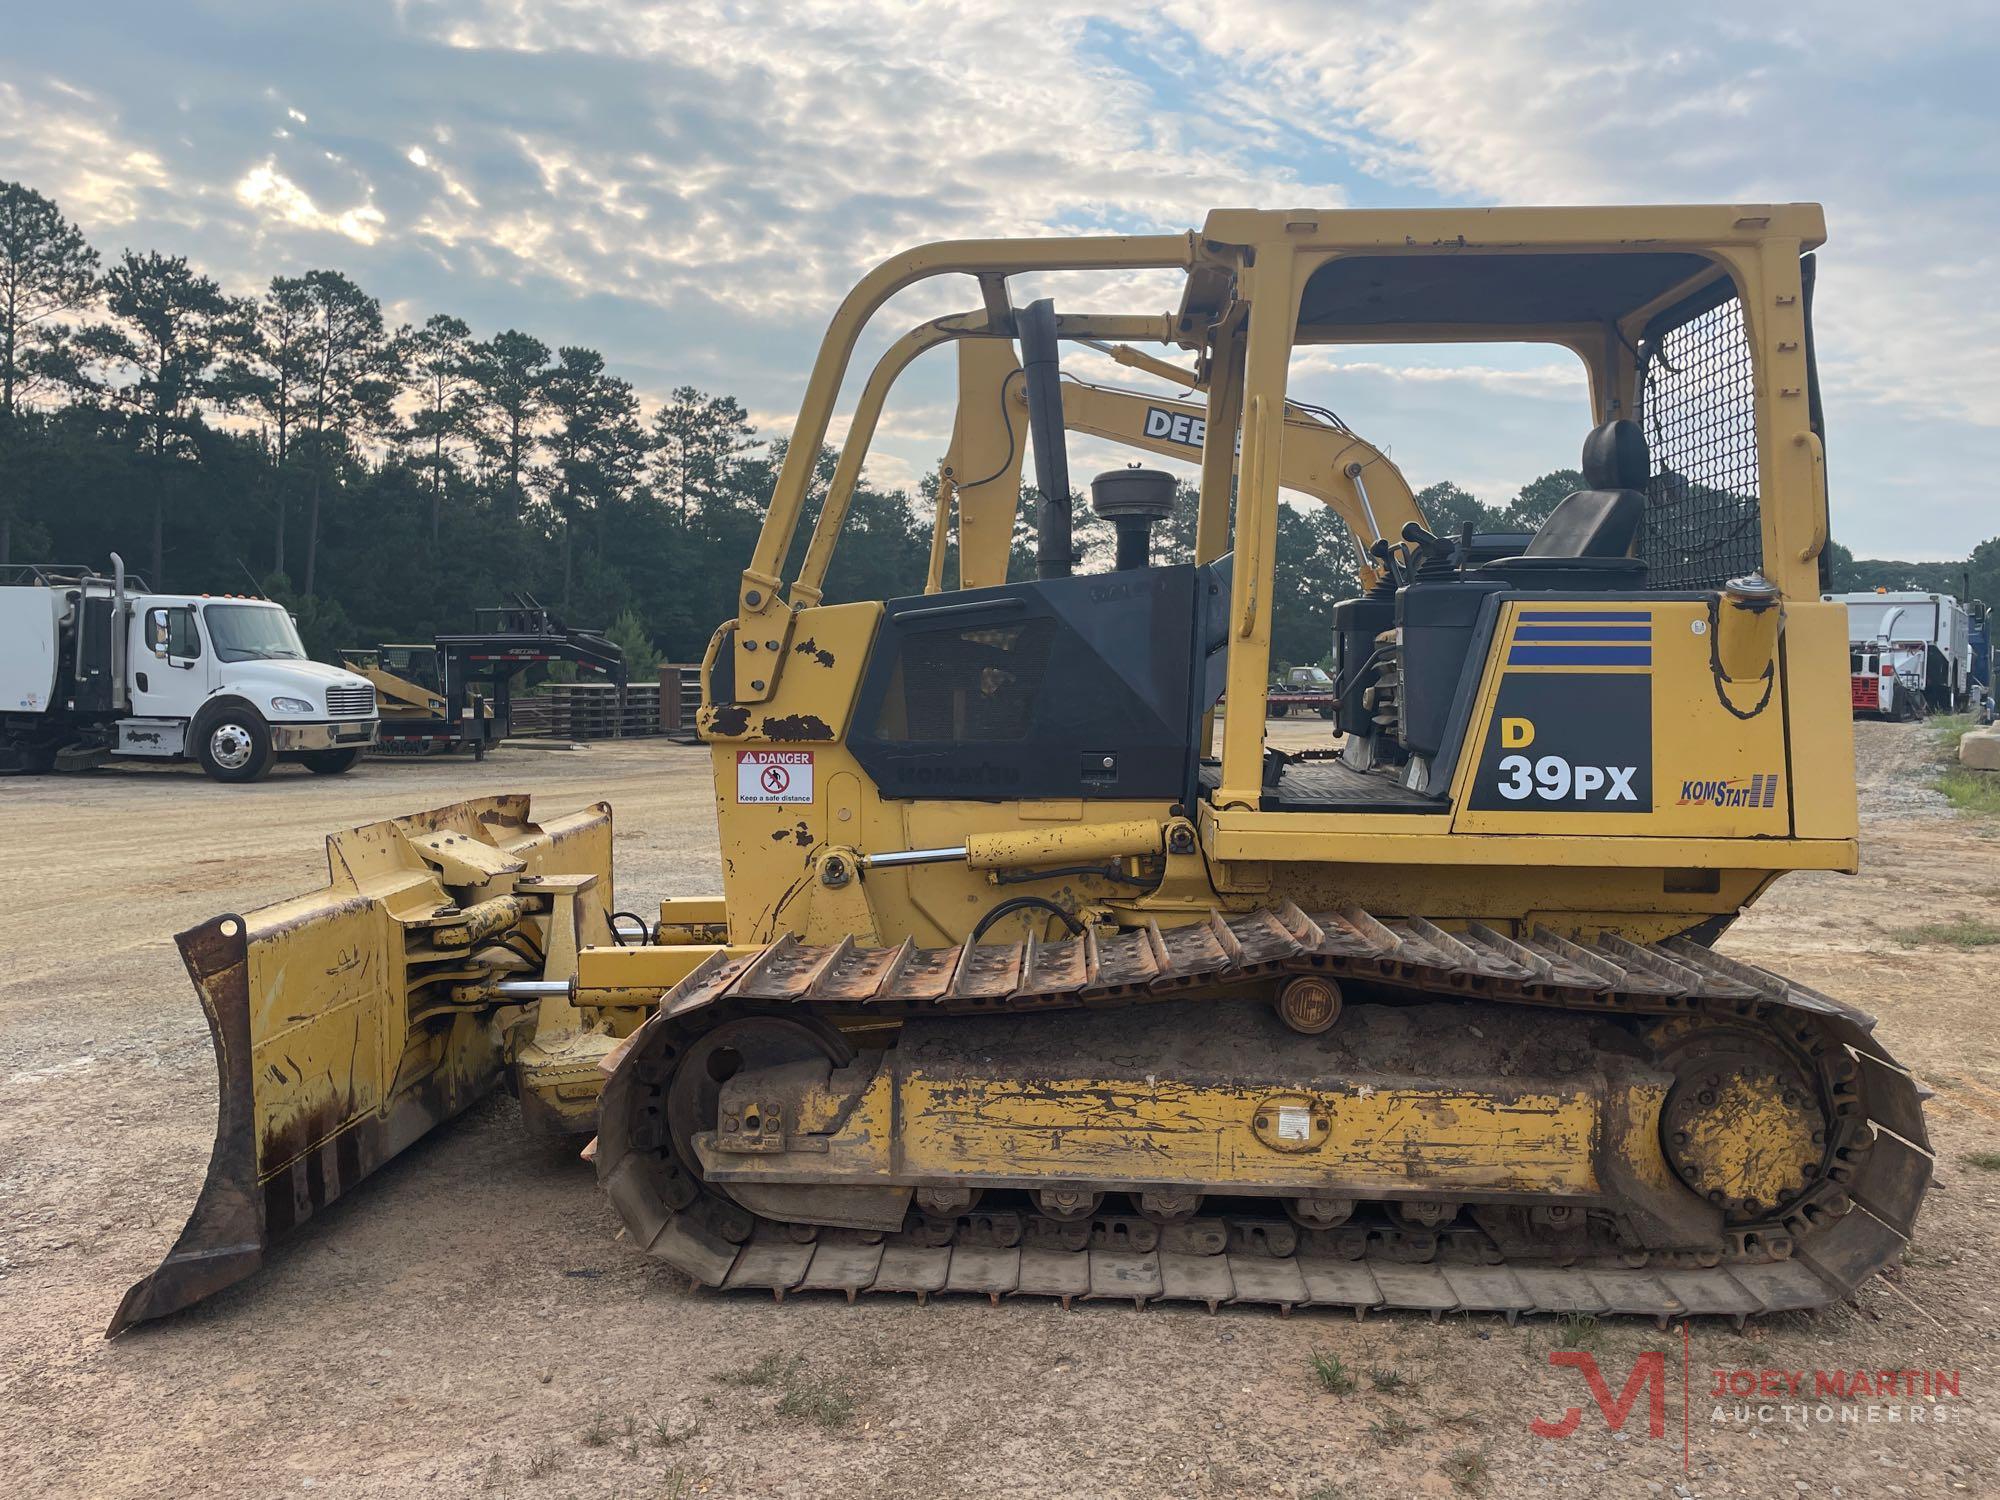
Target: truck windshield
252 632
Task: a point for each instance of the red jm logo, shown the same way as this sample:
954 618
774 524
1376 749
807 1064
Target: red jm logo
1649 1373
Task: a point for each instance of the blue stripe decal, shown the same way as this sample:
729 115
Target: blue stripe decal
1580 656
1577 616
1583 632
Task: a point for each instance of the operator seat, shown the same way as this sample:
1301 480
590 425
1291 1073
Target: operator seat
1587 540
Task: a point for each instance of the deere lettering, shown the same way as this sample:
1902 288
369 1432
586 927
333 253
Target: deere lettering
1176 426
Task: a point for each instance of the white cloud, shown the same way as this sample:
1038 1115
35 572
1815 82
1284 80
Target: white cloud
56 139
277 197
1563 381
1503 102
692 184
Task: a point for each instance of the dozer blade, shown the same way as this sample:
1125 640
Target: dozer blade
345 1027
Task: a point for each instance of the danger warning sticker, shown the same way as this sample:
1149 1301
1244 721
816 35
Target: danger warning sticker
774 776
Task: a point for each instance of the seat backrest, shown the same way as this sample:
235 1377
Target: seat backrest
1603 519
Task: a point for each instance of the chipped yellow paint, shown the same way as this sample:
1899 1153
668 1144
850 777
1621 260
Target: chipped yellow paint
1085 1129
1372 1141
1633 1136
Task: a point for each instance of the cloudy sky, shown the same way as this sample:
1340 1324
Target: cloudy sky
690 186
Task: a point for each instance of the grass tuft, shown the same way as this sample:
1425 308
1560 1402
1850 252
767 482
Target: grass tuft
1577 1330
1986 1161
677 1483
1392 1382
1950 729
665 1436
824 1401
1959 932
1466 1469
772 1369
1392 1431
1332 1374
1970 791
543 1461
597 1431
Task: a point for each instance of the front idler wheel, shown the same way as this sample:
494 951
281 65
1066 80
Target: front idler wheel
694 1095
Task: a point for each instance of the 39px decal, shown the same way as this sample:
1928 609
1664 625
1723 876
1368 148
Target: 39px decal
1569 742
1553 779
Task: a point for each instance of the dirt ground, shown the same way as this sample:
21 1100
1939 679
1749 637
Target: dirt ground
466 1322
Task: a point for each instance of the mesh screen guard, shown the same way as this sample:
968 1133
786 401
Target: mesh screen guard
1697 406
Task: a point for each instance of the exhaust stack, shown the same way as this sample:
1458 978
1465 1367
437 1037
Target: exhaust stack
1041 363
121 695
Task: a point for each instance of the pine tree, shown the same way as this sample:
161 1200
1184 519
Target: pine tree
47 270
628 634
158 361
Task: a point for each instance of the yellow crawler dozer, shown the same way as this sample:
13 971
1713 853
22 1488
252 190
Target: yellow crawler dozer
1034 972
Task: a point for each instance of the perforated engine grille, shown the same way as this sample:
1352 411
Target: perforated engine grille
1698 409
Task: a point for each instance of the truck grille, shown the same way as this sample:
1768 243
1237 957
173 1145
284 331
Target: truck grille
350 702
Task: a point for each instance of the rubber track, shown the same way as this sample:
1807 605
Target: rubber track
1856 1227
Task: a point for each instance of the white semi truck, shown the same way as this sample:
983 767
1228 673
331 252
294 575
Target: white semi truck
1910 654
95 666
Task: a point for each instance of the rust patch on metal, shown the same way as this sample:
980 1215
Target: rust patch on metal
812 650
728 720
224 1239
797 727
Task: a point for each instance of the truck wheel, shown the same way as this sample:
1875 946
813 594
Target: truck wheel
32 759
235 745
329 762
1328 713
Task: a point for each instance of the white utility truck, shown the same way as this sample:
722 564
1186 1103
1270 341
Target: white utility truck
95 666
1910 654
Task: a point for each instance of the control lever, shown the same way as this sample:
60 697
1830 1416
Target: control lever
1426 543
1383 553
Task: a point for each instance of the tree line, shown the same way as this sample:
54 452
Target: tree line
383 481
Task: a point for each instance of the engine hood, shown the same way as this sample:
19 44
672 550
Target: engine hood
259 681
